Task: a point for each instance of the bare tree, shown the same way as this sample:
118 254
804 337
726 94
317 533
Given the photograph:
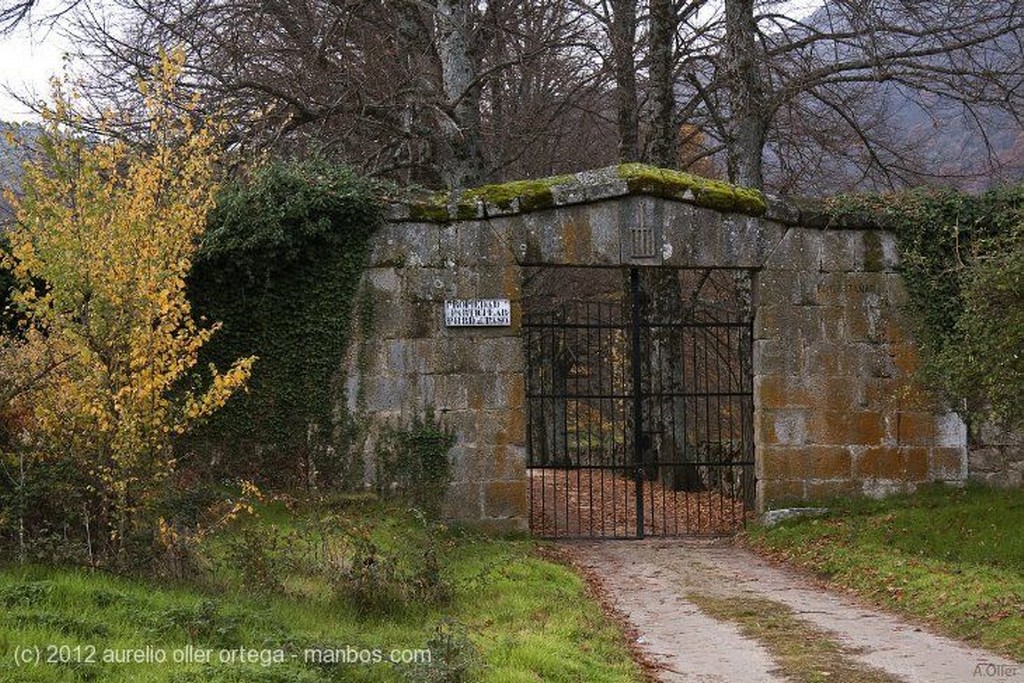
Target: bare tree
462 164
664 24
454 92
824 102
447 92
748 113
547 102
834 69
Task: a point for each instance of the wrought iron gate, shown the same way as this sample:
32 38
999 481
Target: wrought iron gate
640 410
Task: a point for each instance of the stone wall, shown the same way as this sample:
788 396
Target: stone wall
405 362
835 409
996 455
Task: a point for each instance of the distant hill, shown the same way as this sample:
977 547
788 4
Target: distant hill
955 146
11 154
11 158
970 149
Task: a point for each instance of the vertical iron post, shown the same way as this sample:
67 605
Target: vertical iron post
638 407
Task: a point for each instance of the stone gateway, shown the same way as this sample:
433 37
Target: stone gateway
809 394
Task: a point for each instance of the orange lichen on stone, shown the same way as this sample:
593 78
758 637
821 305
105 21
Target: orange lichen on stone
505 499
865 428
947 463
906 463
915 428
808 462
774 491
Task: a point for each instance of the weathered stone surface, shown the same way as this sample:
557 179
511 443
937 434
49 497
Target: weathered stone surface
778 491
505 499
807 463
509 463
840 250
403 245
789 427
996 454
950 431
463 502
833 341
774 288
607 190
989 432
776 356
481 243
948 464
897 463
832 488
773 517
916 429
385 280
799 249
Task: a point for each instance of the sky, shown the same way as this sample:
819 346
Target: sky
27 60
30 56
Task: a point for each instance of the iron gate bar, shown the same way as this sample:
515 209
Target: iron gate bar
638 401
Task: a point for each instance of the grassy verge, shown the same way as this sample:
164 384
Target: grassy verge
320 583
951 557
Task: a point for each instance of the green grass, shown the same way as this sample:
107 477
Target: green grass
527 618
951 557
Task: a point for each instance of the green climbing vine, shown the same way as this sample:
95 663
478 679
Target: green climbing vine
412 462
963 262
280 265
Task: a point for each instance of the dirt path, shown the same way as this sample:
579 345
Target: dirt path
657 585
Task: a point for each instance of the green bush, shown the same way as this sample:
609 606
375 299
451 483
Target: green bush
372 583
375 581
263 557
205 622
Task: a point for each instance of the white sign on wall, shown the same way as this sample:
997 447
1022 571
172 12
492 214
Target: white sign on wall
477 313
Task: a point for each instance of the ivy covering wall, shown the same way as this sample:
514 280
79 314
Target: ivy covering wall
963 263
279 266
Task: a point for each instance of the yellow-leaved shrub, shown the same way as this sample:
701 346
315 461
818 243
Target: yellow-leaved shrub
103 241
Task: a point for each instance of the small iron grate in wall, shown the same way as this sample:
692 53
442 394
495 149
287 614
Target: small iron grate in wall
642 238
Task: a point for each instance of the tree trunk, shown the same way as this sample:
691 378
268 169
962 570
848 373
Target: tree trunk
674 442
664 150
746 95
624 66
550 419
462 163
414 41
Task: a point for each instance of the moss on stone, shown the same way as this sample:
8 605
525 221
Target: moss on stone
537 194
466 210
428 212
706 192
518 195
439 209
532 195
874 257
